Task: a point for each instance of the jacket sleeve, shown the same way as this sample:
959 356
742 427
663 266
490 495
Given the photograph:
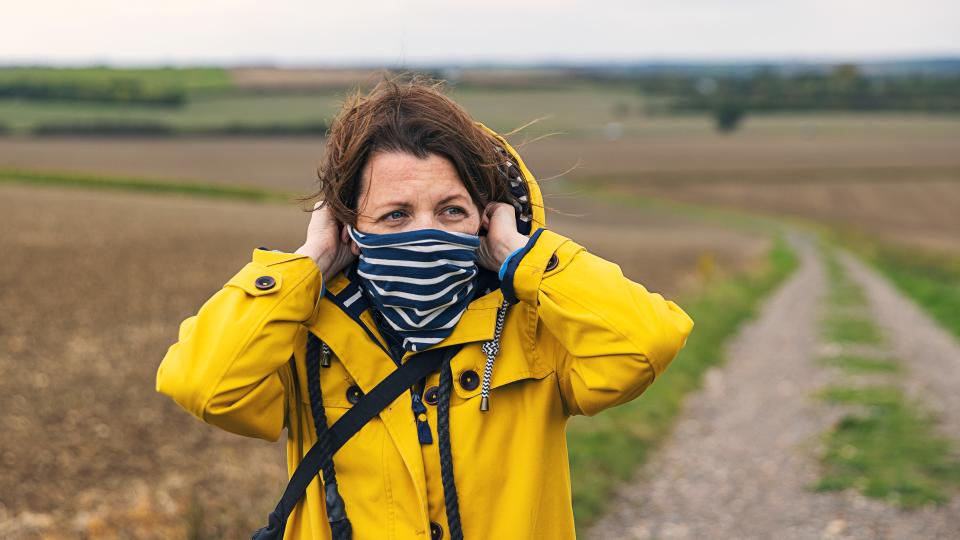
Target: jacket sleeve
224 368
607 336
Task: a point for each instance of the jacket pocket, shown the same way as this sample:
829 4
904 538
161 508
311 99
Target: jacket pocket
508 370
336 386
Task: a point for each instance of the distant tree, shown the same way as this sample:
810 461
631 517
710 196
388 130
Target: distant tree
620 110
727 116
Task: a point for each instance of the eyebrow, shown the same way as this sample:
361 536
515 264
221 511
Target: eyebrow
404 204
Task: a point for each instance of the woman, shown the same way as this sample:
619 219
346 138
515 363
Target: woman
431 236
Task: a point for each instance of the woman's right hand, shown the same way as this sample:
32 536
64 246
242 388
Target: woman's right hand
328 243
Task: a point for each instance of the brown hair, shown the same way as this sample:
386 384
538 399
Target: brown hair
415 117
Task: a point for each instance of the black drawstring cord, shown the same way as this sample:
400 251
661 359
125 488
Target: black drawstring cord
446 457
450 499
336 510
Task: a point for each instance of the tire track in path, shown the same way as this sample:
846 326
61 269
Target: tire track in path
743 452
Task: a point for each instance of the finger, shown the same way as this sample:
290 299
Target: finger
503 211
493 209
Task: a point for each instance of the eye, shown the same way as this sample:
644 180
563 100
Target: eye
394 215
455 210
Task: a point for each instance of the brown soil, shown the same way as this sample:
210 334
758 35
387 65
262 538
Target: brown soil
291 163
906 189
275 163
921 212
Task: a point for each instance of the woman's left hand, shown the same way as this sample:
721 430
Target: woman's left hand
502 238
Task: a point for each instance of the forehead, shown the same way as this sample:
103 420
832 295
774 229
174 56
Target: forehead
389 176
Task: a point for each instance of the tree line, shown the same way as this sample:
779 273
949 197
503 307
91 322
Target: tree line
107 90
728 98
844 88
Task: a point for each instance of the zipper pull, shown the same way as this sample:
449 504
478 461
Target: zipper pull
324 355
420 415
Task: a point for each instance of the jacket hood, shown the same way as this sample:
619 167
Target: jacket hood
345 290
532 214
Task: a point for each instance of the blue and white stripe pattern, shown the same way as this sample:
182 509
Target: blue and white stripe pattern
420 280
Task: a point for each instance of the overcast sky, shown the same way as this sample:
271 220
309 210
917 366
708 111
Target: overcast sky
426 31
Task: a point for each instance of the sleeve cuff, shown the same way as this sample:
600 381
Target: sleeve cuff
510 265
503 267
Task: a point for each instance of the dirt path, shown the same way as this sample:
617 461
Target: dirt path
743 452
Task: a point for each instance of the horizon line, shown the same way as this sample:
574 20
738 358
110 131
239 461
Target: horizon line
543 62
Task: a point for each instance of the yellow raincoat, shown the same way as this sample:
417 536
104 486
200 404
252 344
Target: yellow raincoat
581 338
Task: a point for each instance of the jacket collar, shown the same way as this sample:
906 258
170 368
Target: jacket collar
361 347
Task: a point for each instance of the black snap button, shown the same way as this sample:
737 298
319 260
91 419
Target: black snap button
436 531
432 395
469 380
265 282
553 262
354 393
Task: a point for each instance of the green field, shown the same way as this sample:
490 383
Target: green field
192 79
576 108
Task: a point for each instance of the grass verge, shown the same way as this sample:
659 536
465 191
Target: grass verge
887 448
140 184
932 280
605 449
890 452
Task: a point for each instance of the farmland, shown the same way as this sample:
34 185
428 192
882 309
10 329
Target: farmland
102 280
97 280
894 175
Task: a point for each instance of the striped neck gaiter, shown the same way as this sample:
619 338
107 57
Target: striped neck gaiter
420 280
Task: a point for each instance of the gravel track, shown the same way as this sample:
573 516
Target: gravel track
744 449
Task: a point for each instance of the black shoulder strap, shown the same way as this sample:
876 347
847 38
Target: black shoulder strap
383 394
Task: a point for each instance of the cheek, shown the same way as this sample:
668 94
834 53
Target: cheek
367 225
469 225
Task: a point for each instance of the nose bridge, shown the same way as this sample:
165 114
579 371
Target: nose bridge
426 219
